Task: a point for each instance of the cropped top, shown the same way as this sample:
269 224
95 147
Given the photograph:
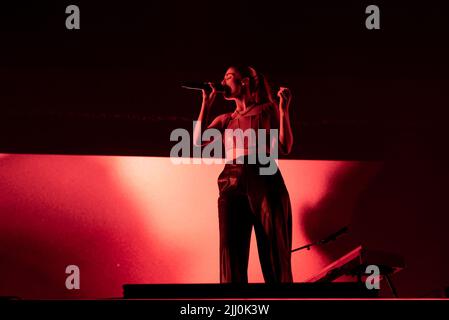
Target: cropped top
260 118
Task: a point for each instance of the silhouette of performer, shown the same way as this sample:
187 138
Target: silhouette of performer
247 198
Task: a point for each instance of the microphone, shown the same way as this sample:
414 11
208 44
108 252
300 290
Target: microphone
202 85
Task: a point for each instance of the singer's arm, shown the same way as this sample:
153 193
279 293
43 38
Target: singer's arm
200 123
208 99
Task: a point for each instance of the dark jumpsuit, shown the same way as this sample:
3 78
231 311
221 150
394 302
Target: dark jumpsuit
248 199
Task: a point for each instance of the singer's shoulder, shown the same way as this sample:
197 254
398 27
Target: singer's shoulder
224 117
221 121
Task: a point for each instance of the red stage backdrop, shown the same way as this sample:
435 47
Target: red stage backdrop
144 220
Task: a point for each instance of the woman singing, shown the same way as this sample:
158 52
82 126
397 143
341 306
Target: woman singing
247 198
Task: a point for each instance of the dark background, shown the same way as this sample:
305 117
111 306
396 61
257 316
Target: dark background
113 87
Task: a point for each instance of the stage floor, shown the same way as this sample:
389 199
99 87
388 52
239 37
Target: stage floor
252 290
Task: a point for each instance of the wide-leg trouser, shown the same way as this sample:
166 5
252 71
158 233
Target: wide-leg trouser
249 199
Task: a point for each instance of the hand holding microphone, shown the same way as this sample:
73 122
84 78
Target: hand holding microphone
209 95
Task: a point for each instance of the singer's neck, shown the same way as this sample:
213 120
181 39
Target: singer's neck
243 104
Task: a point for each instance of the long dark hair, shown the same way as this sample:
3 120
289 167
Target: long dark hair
259 86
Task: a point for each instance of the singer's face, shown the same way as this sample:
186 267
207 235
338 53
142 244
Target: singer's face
232 81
